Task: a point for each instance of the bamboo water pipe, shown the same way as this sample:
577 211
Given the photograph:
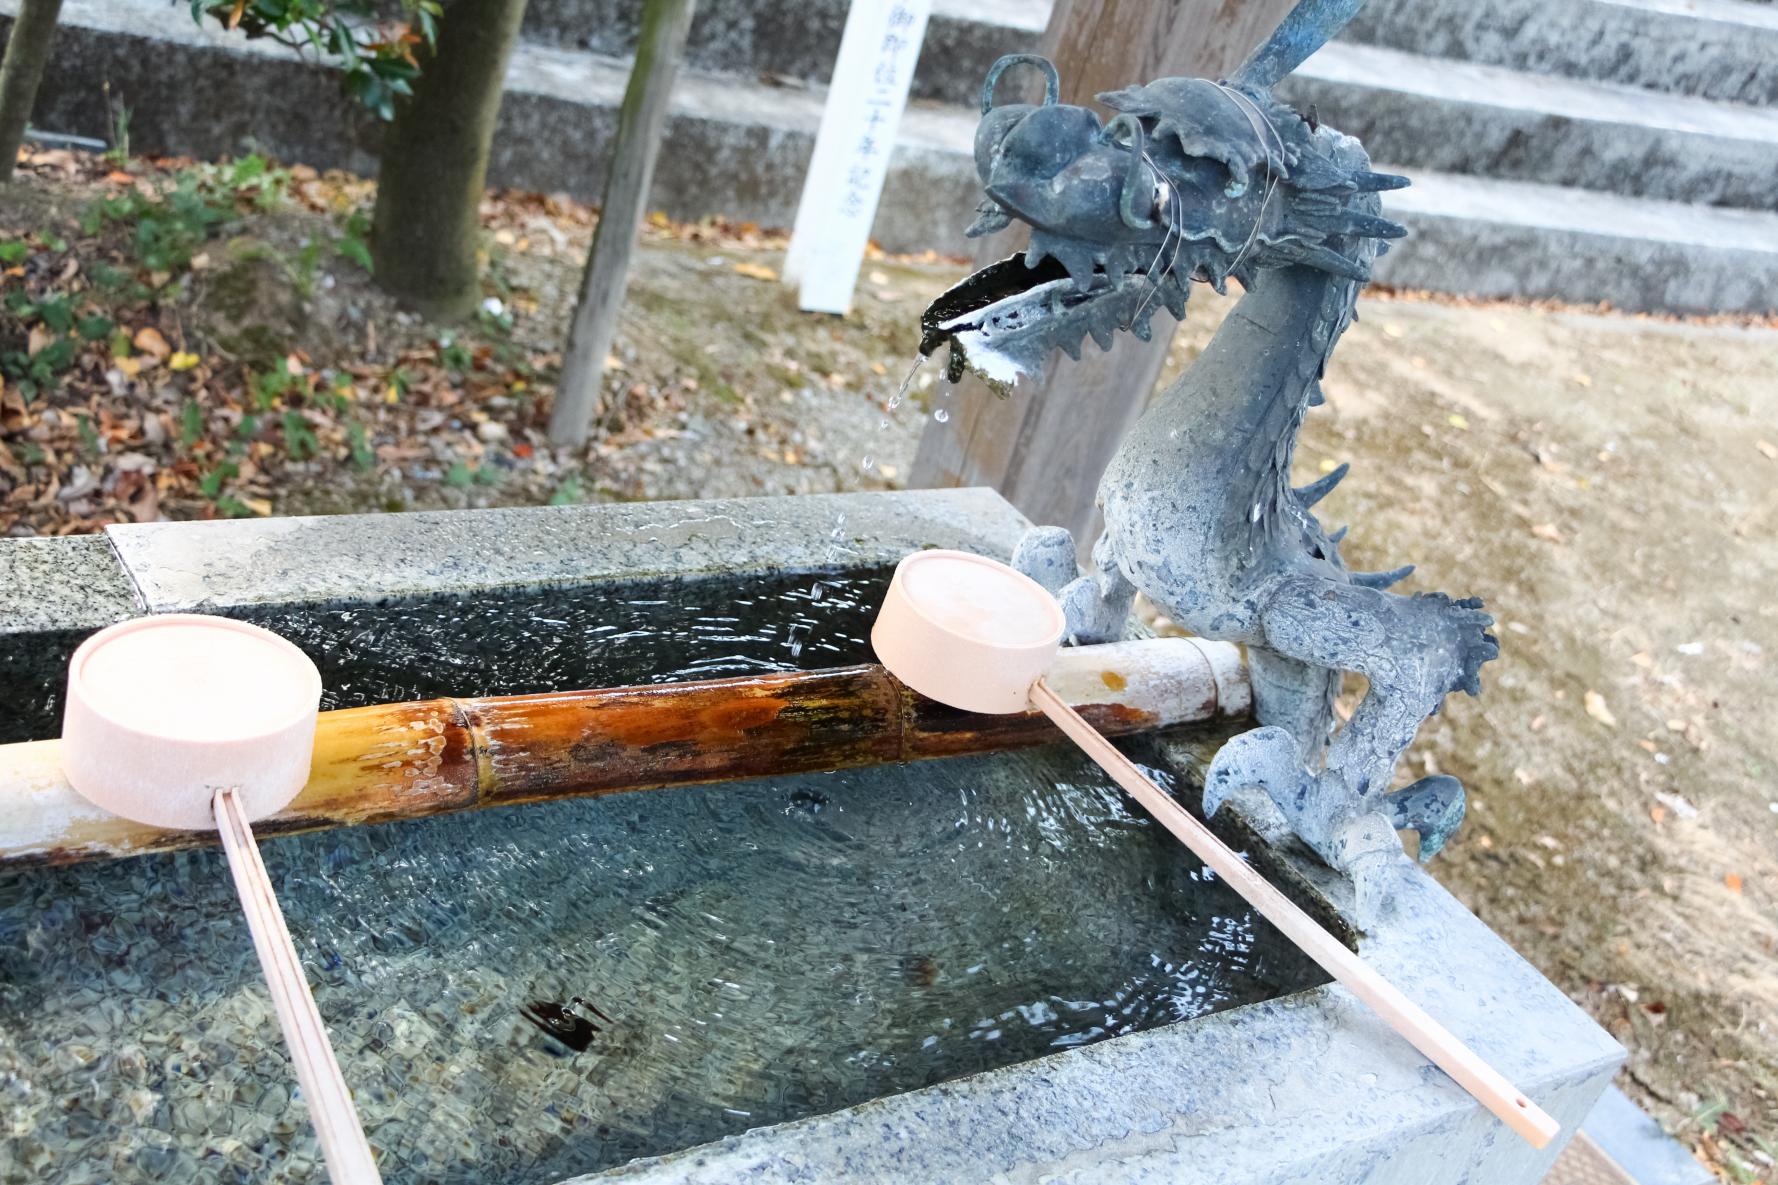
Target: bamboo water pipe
408 760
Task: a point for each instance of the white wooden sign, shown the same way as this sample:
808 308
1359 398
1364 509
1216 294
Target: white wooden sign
871 76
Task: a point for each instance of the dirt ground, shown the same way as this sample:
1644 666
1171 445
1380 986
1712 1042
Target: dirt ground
1609 484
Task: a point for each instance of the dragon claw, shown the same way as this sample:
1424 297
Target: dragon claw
1433 807
1366 849
1268 758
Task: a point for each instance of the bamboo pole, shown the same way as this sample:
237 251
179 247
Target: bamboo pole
409 760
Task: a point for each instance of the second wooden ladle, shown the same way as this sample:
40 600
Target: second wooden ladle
976 634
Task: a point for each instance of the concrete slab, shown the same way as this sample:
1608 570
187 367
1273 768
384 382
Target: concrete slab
1462 117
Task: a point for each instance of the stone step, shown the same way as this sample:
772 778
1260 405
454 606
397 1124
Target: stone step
797 40
1450 116
1714 49
1460 117
739 148
1478 237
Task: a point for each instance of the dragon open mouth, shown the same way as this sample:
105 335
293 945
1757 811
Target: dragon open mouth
1002 321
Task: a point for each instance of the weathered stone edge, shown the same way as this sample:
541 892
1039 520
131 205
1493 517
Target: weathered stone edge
63 583
213 565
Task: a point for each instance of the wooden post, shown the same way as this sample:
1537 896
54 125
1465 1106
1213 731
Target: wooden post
870 84
639 125
1046 446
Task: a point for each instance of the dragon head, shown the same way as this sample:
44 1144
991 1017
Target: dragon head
1191 180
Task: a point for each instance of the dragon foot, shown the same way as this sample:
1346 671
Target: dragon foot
1096 605
1361 844
1433 807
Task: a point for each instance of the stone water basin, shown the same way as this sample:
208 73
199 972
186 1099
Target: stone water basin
828 949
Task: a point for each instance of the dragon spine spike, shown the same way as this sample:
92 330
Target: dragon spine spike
1322 486
1382 580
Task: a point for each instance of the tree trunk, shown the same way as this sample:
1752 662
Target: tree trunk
435 161
664 26
27 52
1046 447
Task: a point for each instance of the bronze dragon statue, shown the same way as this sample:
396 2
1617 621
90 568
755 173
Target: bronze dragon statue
1195 180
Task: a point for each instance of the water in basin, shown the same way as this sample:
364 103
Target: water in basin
750 953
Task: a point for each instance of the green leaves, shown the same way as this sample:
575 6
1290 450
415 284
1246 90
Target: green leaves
299 439
376 57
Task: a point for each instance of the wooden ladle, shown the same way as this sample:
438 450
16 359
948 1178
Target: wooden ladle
201 723
974 633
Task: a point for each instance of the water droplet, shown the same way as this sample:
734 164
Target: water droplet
868 463
941 415
883 424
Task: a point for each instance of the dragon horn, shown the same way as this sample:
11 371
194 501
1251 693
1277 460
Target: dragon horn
1307 27
1052 82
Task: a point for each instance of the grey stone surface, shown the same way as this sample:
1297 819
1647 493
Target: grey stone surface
1500 238
1459 117
1716 49
72 583
797 41
205 565
1311 1088
53 594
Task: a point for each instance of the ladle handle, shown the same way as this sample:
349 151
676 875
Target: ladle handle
348 1154
1451 1055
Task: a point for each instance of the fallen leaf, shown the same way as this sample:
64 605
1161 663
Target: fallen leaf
1732 882
182 361
1643 659
1597 710
149 340
756 271
1658 813
1677 805
1458 421
42 337
1582 380
1391 329
1548 532
1767 449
